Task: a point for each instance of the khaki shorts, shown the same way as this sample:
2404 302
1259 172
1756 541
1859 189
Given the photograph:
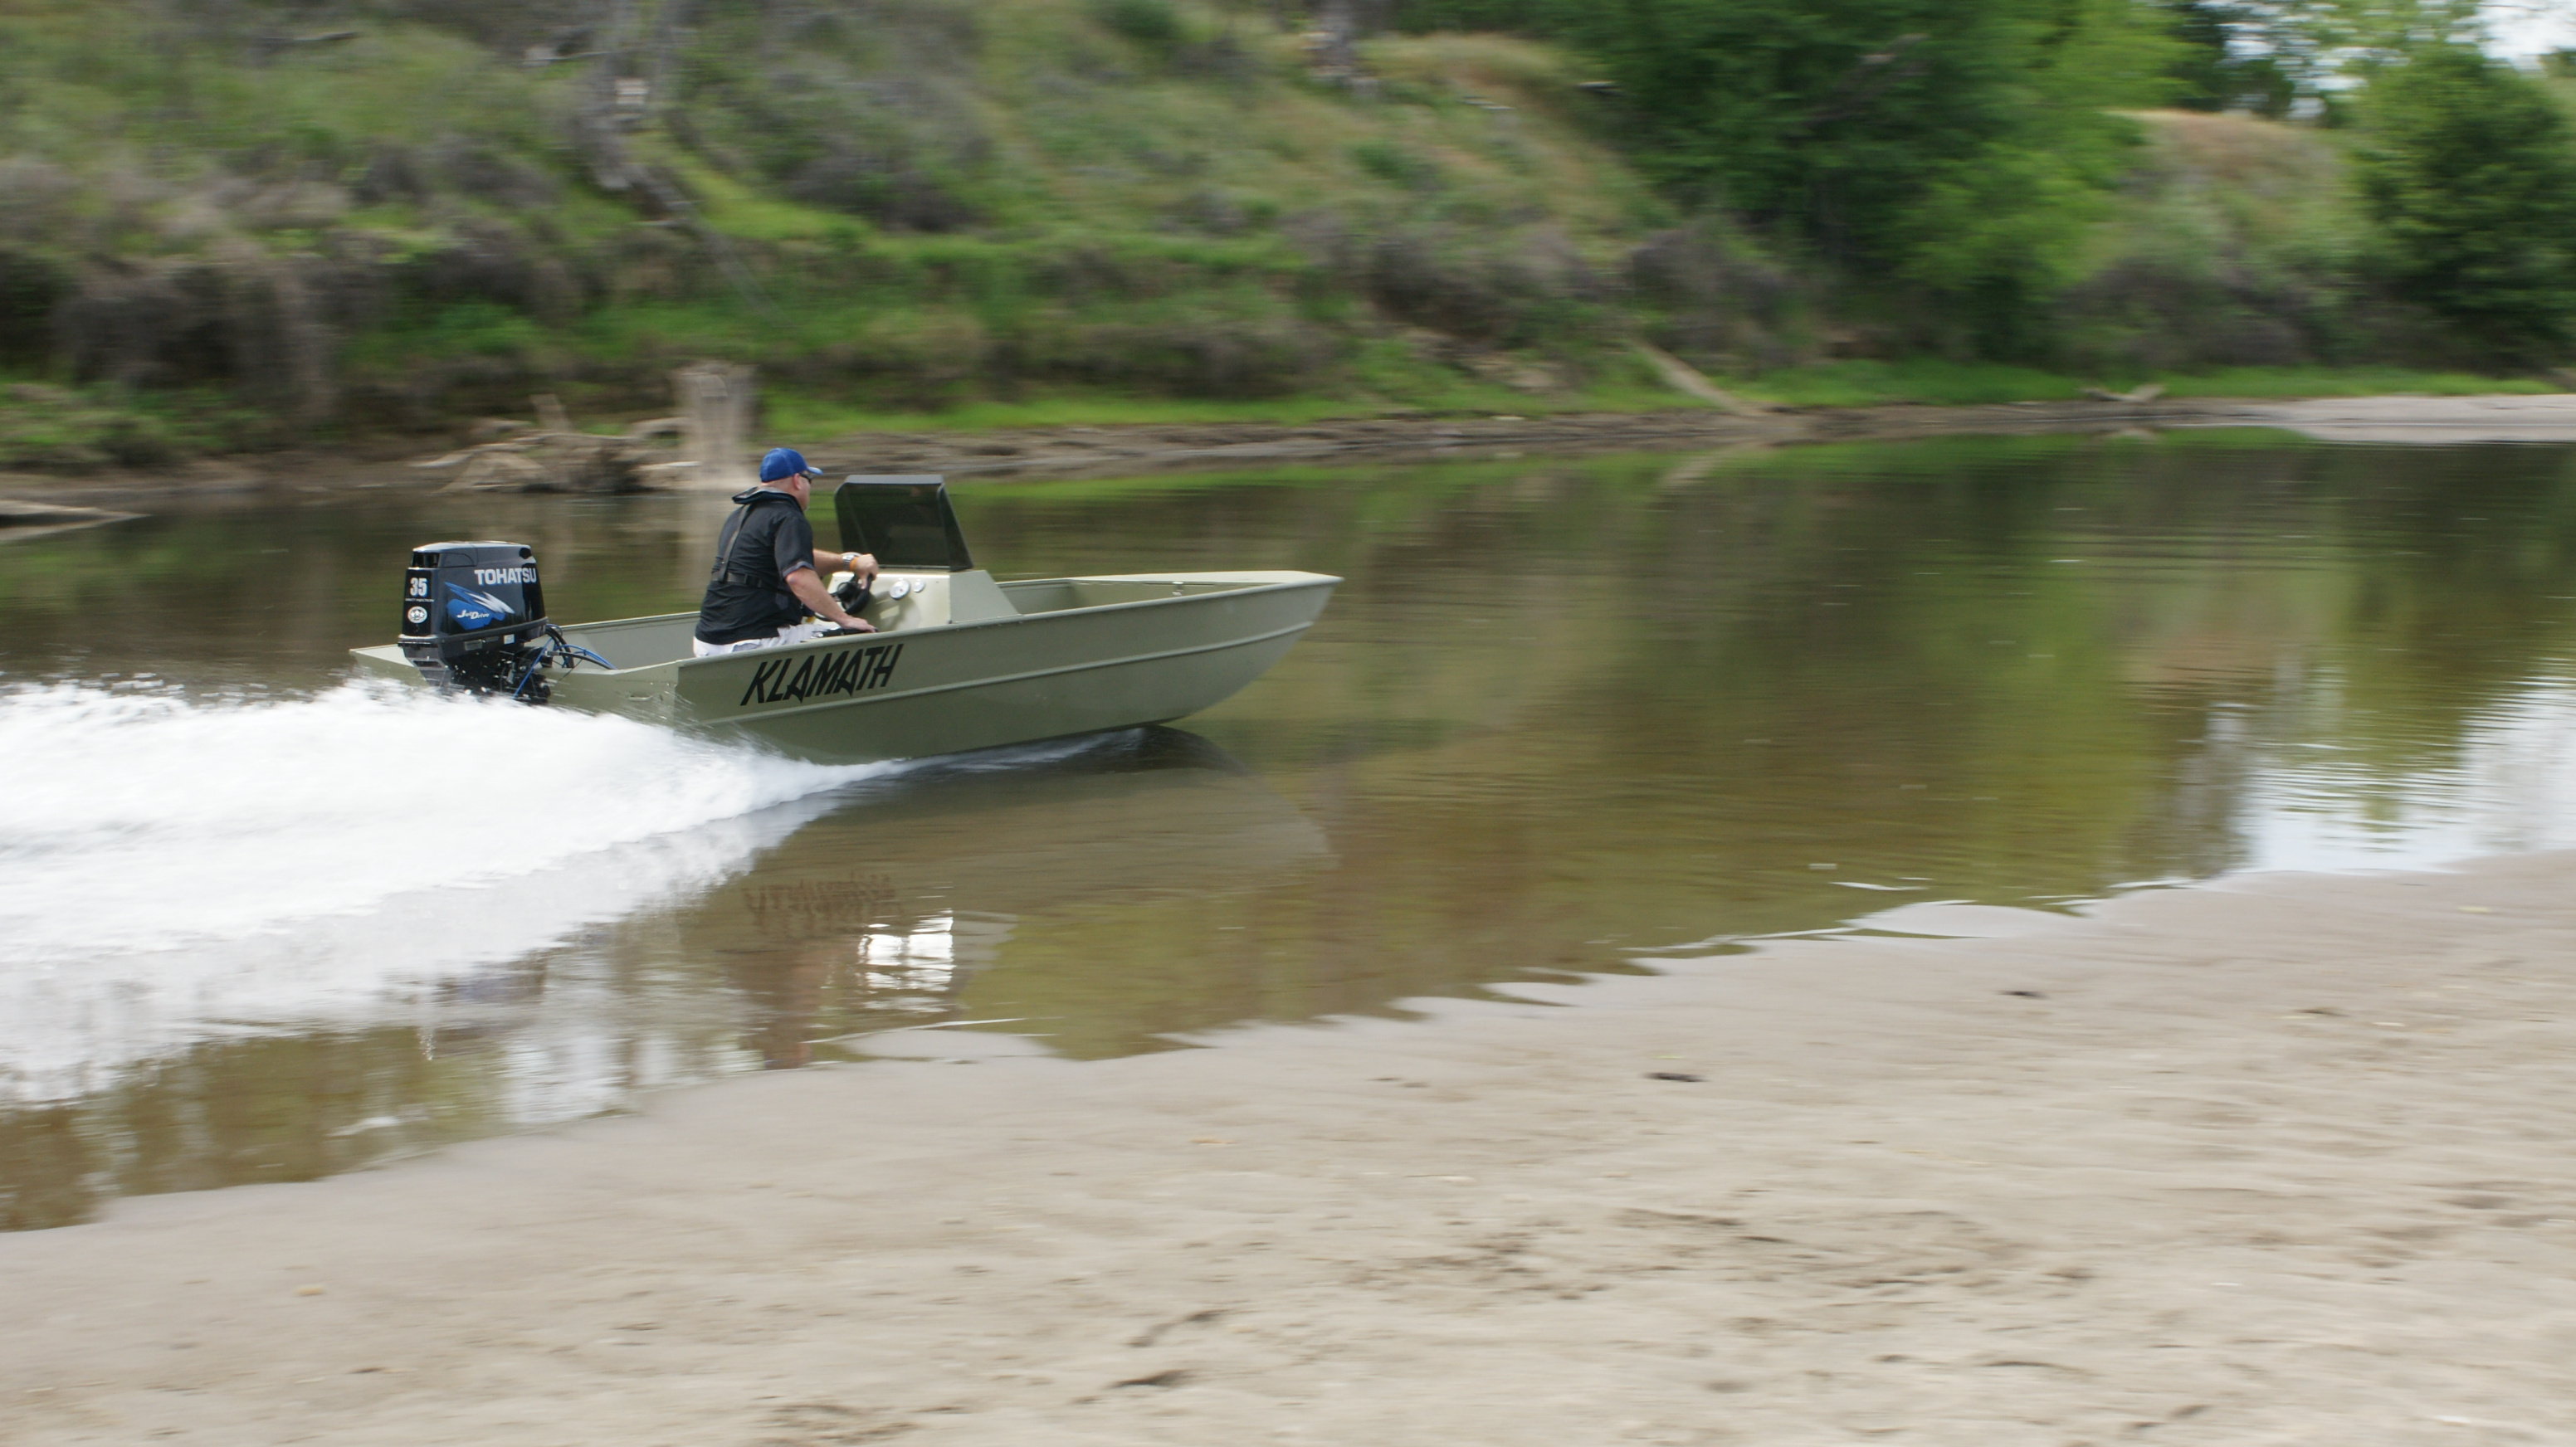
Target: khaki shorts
792 633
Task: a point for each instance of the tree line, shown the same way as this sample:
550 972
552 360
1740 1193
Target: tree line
1943 160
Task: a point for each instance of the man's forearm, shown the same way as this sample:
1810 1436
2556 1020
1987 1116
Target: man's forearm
862 564
808 588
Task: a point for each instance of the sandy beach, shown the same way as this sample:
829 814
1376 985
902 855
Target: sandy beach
2279 1159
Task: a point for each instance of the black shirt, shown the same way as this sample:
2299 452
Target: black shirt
747 593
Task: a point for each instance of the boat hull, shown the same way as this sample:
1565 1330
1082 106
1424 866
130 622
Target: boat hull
1161 647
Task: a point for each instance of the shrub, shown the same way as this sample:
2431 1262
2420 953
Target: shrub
1216 357
1396 165
2466 167
1153 24
2233 244
30 287
1713 299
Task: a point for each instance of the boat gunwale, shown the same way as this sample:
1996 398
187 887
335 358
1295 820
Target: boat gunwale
1305 580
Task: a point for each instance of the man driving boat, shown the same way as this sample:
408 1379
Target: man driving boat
768 575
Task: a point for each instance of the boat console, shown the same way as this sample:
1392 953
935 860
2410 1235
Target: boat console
925 575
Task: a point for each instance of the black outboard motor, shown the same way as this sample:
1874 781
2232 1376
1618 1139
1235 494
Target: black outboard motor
474 618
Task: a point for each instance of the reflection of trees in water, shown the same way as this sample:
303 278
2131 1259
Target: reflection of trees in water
1565 701
48 1182
287 1107
278 594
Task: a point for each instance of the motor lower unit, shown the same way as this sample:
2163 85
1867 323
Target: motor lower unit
474 618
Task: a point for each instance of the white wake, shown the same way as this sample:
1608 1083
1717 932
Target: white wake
167 863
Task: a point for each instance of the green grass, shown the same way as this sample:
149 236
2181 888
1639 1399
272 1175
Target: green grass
794 415
65 429
1845 384
804 415
735 207
1925 381
1124 210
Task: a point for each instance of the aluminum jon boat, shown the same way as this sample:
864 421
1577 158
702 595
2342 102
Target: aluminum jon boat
959 662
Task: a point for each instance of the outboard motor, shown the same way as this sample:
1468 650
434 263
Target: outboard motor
474 618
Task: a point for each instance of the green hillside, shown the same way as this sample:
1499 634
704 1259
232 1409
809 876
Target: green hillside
210 235
250 225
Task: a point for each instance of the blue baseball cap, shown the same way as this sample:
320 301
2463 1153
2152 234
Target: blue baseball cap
785 462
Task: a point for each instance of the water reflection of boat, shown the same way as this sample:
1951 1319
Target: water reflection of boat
879 913
959 661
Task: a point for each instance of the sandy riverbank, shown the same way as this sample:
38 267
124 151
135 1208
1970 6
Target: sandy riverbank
2280 1160
1119 451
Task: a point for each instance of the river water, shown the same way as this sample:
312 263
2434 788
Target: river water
260 923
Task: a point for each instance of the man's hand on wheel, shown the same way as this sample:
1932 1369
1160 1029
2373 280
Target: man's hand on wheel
810 591
862 566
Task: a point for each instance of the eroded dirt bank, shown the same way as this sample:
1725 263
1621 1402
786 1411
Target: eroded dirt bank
2280 1160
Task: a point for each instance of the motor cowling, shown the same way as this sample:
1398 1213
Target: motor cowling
474 617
